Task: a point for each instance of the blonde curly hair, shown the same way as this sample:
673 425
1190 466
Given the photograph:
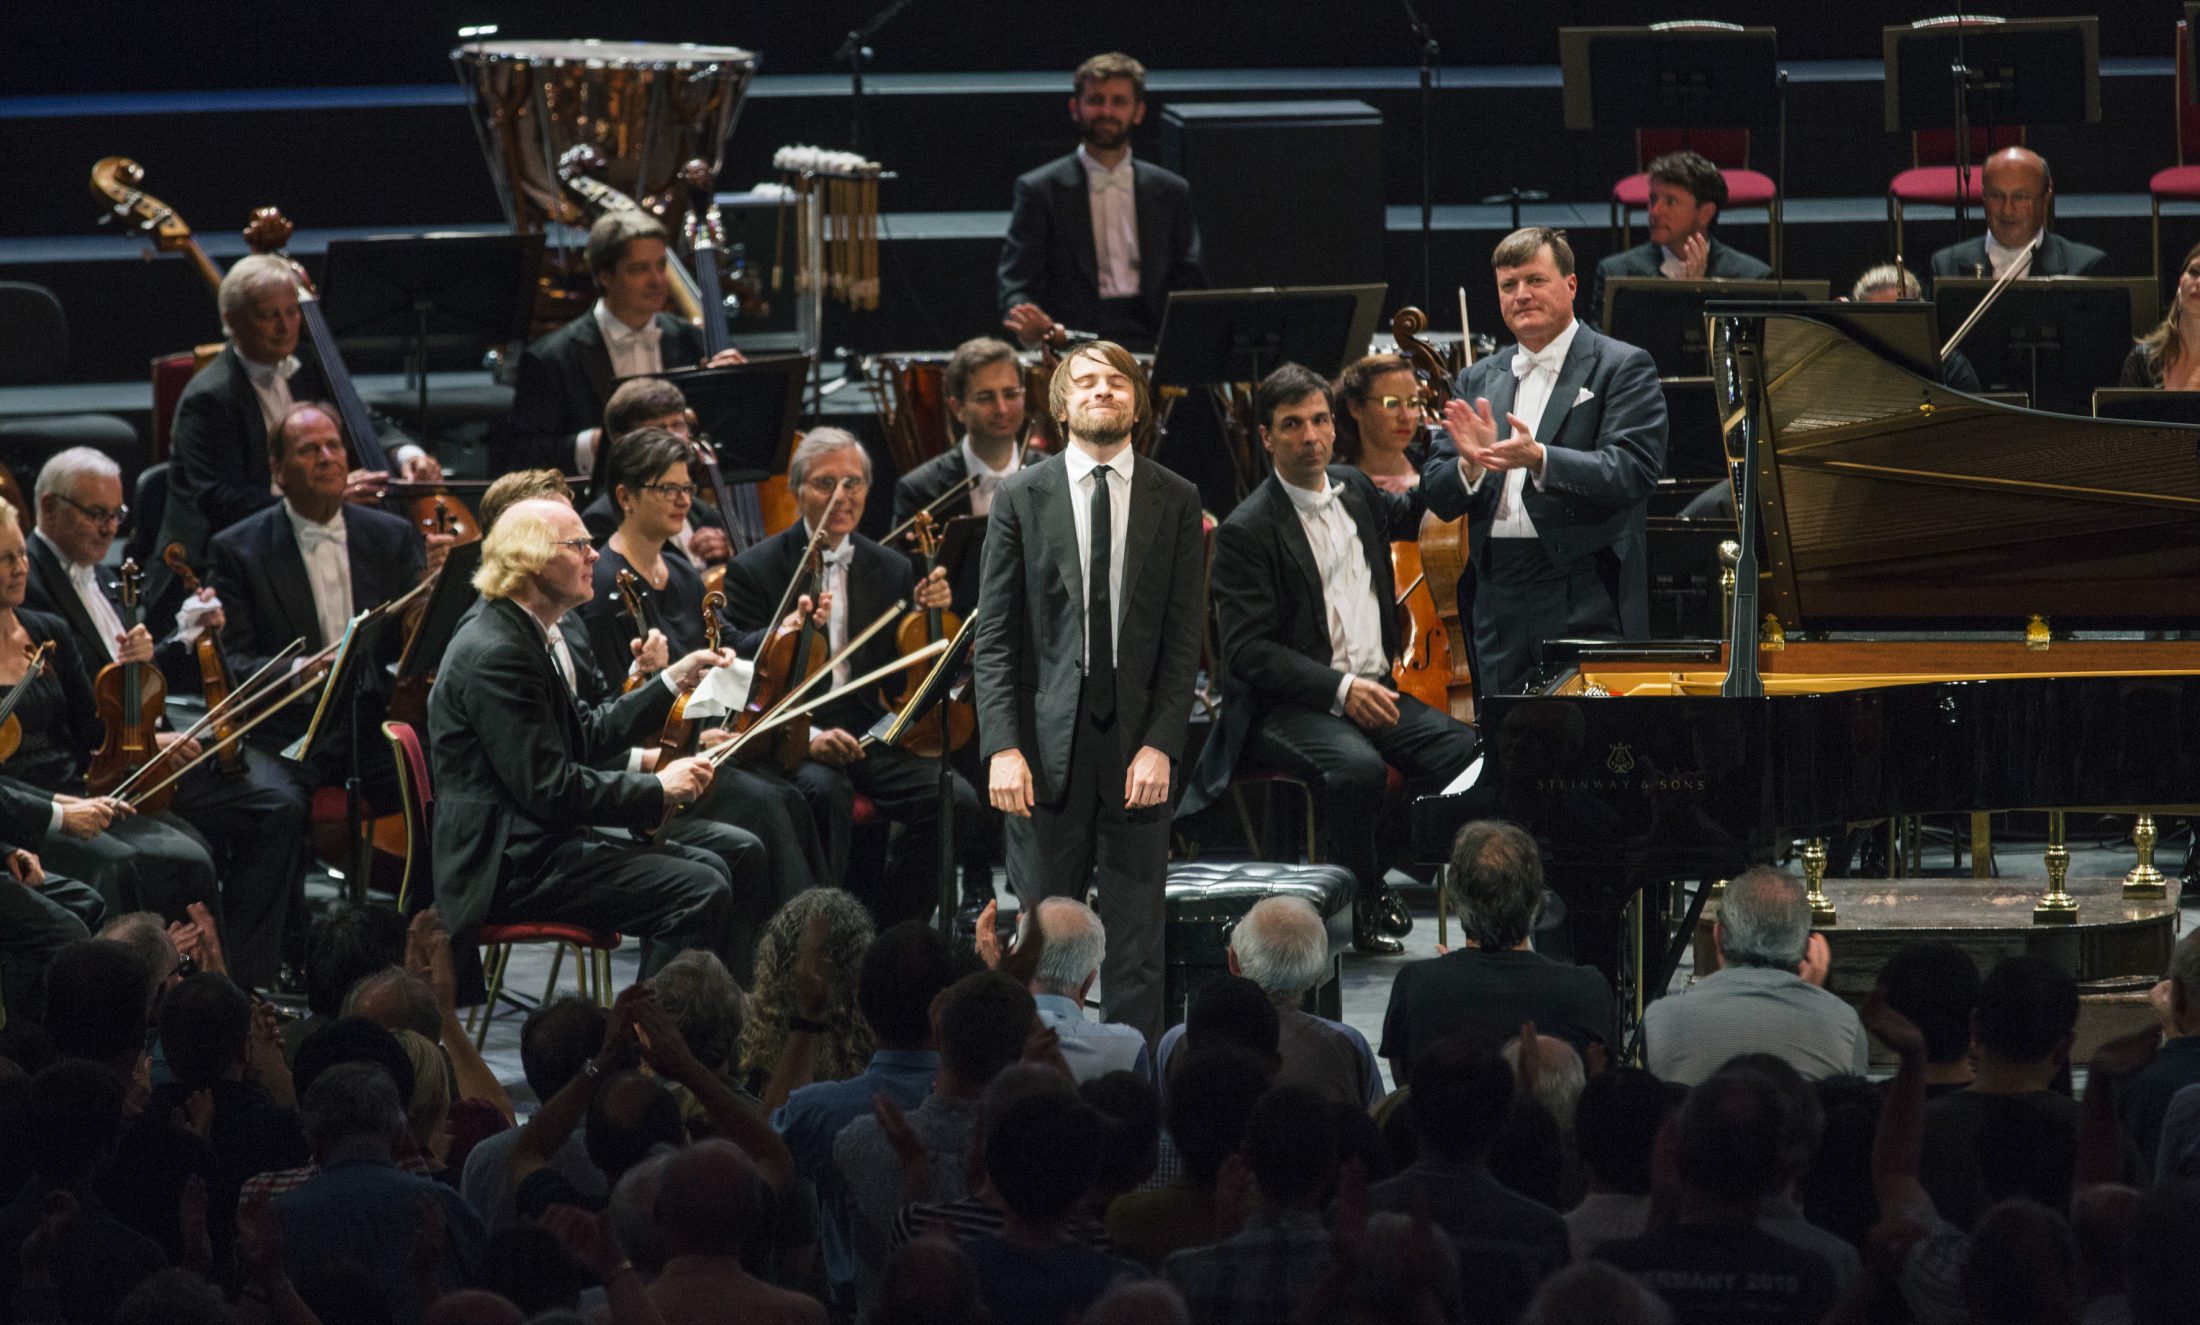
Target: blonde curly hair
844 1050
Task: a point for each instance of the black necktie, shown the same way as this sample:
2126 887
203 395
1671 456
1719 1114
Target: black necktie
1099 610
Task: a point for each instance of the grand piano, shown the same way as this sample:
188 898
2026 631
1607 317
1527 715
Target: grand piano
1913 562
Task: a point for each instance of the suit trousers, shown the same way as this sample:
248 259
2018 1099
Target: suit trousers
905 787
35 923
1088 828
676 896
254 821
147 862
1521 600
1347 768
744 819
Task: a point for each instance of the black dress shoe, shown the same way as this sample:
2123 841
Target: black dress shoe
1367 930
1392 917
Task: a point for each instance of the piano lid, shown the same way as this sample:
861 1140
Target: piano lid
1891 502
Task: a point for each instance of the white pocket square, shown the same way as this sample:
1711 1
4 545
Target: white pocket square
1586 394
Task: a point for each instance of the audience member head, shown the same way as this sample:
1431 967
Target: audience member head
259 307
1282 945
1616 1126
347 945
1462 1097
984 386
1885 284
1763 920
73 1116
429 1104
710 1200
1378 408
633 1213
1391 1282
1291 1146
174 1296
1534 267
1686 193
928 1282
1733 1137
205 1025
1837 1193
344 1293
1593 1293
1231 1009
903 970
396 1000
2026 1014
556 1040
1806 1116
645 402
146 934
1529 1154
1129 1111
1108 100
2184 984
630 1116
1139 1302
1495 884
530 485
352 1105
351 1040
1042 1154
2018 1269
2018 194
96 1001
525 1272
980 1026
844 1049
1075 943
2161 1253
2103 1219
697 991
1211 1095
1935 984
1558 1080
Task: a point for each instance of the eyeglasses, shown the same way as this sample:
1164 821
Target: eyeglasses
98 514
583 546
672 490
1392 404
826 487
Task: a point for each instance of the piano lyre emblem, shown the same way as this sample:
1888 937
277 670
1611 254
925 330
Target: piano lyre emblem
1622 758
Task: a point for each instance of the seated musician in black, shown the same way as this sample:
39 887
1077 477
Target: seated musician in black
135 862
653 402
1304 599
520 793
254 818
1379 421
984 387
216 474
2162 358
566 377
650 480
830 474
1686 193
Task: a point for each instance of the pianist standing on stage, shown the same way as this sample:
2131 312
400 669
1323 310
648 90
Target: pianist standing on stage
1550 448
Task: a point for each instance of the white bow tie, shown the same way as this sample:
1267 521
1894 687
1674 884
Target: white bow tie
311 536
1314 503
267 374
843 556
1525 363
1104 180
623 337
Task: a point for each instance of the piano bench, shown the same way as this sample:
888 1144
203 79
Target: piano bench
1204 900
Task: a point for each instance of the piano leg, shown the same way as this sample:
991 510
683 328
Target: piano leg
1982 846
2057 907
2145 881
1814 876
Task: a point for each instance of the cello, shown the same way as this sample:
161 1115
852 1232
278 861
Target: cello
951 724
1434 666
131 698
213 667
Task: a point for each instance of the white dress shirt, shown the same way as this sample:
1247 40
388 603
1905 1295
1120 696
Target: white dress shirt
833 568
326 550
271 383
1671 266
633 353
1080 465
1114 198
84 580
1348 587
2001 257
1529 400
989 478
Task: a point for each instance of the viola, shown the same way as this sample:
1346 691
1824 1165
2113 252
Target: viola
789 656
950 725
131 698
11 727
678 739
213 667
638 610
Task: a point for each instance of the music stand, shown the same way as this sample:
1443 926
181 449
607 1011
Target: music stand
938 688
746 410
348 677
962 551
1665 317
448 602
2147 404
1644 78
2056 338
462 292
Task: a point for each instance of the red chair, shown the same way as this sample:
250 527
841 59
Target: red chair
171 374
1726 148
592 949
2181 182
1932 179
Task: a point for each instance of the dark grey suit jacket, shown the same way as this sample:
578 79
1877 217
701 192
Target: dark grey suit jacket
563 384
2057 257
512 753
1603 454
49 590
1721 263
217 473
1271 616
1029 649
1050 258
877 579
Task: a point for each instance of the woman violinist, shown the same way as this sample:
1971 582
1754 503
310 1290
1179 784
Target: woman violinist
647 479
149 862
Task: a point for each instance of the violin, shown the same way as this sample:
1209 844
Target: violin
213 667
789 656
11 727
1431 668
950 725
131 698
677 741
